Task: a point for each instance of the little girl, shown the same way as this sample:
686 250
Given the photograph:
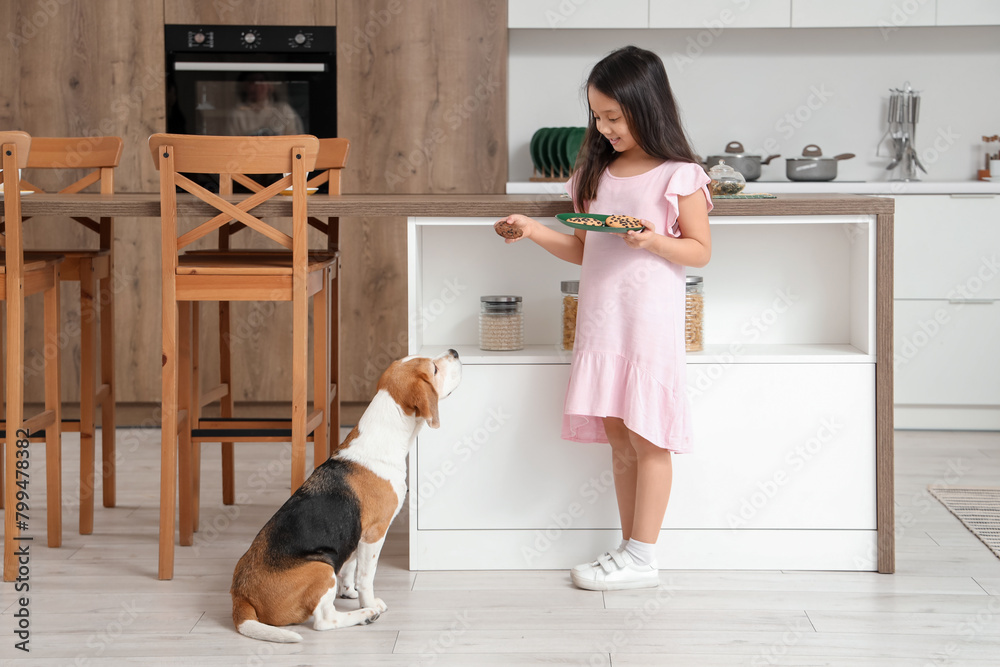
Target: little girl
627 384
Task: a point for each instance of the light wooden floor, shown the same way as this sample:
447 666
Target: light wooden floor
96 600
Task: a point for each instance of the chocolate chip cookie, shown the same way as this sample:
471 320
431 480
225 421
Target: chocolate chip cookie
625 221
509 231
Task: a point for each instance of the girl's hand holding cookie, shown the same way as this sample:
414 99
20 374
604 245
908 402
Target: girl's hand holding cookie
641 238
513 228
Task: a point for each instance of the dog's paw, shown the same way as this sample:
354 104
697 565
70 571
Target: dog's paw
380 605
372 614
349 593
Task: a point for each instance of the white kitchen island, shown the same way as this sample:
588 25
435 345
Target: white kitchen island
792 399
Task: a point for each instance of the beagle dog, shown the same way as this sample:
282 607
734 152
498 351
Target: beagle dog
328 534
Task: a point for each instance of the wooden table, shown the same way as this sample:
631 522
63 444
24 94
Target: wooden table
147 205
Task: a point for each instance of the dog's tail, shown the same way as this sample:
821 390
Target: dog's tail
245 619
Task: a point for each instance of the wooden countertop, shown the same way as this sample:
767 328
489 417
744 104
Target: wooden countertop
471 205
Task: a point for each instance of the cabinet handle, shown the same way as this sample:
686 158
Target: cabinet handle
971 301
972 196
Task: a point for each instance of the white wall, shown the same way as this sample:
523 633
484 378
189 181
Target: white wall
744 82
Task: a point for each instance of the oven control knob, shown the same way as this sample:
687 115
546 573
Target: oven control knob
299 38
199 38
251 38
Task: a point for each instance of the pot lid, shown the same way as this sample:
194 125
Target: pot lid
735 149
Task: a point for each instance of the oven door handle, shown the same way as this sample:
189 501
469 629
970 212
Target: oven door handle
188 66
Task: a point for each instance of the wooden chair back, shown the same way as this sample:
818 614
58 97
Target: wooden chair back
15 148
233 158
330 162
101 154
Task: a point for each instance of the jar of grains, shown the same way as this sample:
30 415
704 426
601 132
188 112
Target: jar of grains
570 290
694 325
501 323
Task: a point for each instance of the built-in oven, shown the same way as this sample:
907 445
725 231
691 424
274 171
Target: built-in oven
251 80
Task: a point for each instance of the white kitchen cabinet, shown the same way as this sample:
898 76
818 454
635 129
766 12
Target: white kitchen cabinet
947 247
784 470
886 14
719 14
578 14
968 12
947 312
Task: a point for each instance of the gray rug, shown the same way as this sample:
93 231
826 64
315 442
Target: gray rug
976 507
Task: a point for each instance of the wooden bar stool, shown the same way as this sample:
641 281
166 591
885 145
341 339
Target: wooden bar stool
94 270
330 162
23 278
269 276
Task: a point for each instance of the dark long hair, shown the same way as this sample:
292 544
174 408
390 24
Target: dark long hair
636 79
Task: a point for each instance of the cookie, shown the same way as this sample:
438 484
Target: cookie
508 231
625 221
591 222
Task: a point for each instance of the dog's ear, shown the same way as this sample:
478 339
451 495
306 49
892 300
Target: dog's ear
426 401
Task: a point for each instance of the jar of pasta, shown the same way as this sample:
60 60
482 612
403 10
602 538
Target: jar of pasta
694 313
501 323
570 299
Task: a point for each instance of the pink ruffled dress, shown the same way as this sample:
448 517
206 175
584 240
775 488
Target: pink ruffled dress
629 357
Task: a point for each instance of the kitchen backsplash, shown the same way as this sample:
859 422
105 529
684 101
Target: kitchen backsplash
777 90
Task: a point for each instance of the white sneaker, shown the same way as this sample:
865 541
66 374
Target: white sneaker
615 571
583 567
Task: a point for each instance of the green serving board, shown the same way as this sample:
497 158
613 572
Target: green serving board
564 218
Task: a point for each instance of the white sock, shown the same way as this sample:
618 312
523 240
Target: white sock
641 553
621 547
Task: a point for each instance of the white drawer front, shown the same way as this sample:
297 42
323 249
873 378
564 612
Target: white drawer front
947 353
777 446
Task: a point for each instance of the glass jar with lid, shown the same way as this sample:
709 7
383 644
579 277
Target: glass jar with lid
570 293
694 314
725 180
501 323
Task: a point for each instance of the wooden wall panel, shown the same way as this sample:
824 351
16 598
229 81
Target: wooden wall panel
252 12
423 100
97 69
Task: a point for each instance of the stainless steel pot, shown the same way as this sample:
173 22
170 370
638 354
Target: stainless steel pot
738 159
812 166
